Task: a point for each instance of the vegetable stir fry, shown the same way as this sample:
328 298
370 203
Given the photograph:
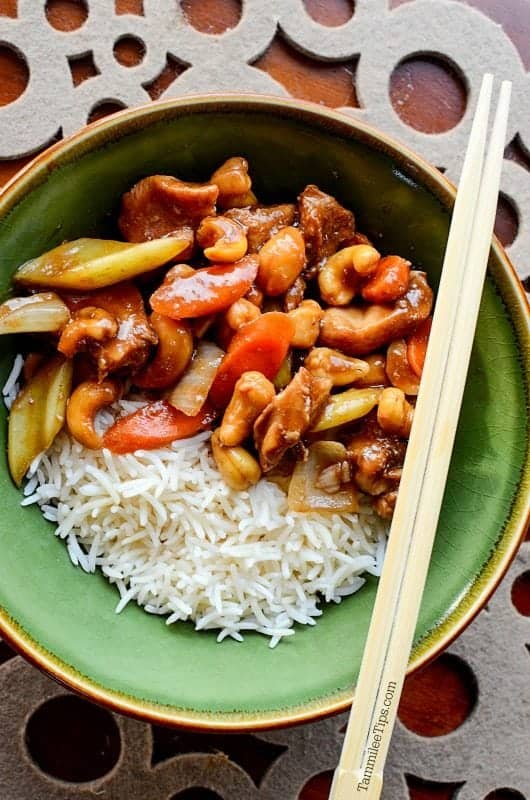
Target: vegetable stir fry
281 328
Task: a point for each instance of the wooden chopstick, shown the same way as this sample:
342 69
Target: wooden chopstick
397 604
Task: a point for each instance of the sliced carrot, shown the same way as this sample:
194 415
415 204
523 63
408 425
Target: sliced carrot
417 346
389 281
207 291
261 346
152 426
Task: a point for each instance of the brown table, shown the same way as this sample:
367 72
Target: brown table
430 98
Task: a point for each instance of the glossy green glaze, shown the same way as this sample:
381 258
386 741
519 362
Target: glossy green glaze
64 618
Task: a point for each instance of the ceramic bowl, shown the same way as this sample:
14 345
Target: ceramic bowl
62 619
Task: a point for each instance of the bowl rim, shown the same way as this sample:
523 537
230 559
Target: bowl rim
477 595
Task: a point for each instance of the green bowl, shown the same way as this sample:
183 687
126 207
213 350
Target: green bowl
63 620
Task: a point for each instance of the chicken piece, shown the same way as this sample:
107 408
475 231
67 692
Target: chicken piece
86 326
341 369
377 458
360 238
360 330
162 205
385 504
129 348
252 393
326 225
288 416
262 222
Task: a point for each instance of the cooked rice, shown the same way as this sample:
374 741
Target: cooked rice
172 536
10 390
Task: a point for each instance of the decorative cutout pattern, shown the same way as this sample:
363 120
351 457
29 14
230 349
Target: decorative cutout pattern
75 75
72 740
454 685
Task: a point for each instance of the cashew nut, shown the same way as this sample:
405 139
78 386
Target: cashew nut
224 240
338 278
394 413
88 324
252 393
281 260
178 271
328 363
364 258
238 468
376 375
174 351
84 403
241 312
233 181
306 320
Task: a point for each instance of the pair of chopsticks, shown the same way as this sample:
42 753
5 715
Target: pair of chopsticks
387 650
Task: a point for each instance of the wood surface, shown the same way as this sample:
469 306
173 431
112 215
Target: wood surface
428 96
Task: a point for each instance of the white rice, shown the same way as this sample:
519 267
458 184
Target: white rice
10 390
172 536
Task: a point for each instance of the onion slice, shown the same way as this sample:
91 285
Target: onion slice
346 407
86 264
39 313
305 495
37 415
190 393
